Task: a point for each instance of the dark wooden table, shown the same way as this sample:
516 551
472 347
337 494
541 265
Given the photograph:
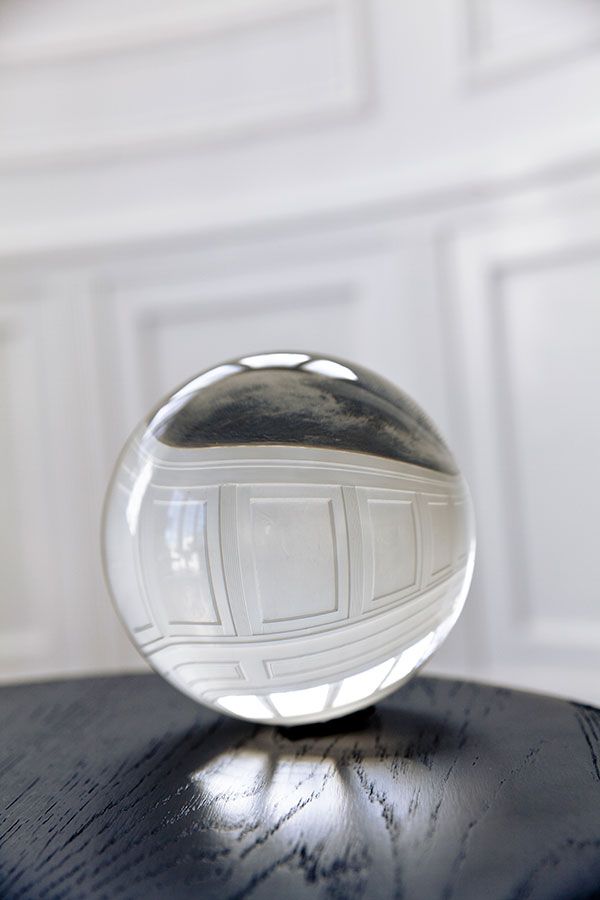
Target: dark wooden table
121 787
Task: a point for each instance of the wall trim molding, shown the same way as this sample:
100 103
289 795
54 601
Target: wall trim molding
422 191
124 37
489 60
219 111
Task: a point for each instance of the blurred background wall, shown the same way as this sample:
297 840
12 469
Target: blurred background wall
413 185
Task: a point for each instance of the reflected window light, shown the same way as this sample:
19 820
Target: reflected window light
181 397
410 658
263 360
210 377
186 524
301 703
235 781
247 706
134 503
293 779
232 771
357 687
330 368
466 583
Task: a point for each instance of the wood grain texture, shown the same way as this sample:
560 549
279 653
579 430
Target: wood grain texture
121 787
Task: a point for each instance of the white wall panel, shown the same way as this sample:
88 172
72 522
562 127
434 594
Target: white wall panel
527 327
391 546
193 594
28 631
286 526
196 74
509 37
44 542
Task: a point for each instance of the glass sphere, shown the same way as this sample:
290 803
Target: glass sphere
287 538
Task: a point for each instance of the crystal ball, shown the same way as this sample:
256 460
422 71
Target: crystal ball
287 538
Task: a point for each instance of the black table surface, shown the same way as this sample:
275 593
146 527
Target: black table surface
122 787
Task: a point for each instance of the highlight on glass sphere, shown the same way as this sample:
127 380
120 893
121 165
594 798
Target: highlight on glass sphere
287 538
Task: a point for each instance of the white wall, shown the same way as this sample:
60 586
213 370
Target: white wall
414 186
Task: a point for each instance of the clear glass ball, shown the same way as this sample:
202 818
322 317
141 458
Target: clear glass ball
287 538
